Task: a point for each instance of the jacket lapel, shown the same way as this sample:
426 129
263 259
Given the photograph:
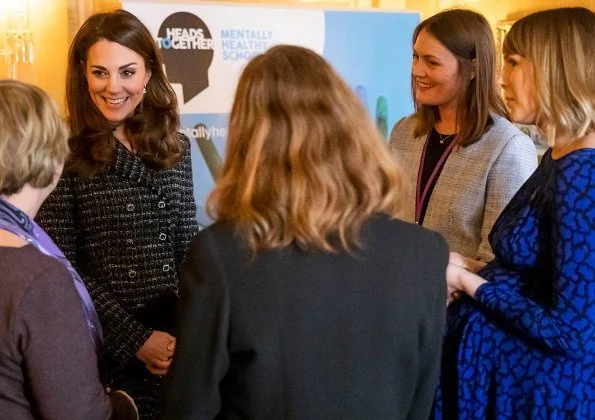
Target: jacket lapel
413 149
130 167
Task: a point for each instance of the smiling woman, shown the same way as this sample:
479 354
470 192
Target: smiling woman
466 159
124 211
436 75
117 79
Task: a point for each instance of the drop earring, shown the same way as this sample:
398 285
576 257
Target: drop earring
145 89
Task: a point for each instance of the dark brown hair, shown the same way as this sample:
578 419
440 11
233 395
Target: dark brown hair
151 129
305 165
468 36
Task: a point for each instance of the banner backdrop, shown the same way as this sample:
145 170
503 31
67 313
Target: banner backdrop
206 46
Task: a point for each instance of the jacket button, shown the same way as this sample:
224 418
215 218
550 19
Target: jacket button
162 236
161 204
132 274
165 267
130 207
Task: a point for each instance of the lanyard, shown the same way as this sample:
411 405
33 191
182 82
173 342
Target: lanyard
420 196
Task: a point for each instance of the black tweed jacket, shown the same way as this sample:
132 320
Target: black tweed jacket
127 231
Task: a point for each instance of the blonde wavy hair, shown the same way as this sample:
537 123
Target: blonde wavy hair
560 43
304 163
33 137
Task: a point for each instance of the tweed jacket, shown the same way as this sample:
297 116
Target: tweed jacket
475 184
127 231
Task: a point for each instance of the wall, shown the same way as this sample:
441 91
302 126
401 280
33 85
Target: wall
497 10
54 23
48 21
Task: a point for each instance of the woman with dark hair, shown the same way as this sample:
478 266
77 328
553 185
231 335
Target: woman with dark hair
124 212
307 298
521 339
464 157
50 337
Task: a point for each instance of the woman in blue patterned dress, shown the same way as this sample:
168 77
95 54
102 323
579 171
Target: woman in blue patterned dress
521 340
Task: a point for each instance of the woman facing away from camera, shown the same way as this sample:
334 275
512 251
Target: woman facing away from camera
464 157
307 298
521 341
124 211
50 336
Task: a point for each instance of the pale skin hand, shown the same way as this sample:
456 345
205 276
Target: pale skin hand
157 351
459 278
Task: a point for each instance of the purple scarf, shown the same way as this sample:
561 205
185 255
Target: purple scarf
17 222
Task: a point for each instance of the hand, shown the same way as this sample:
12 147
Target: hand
459 279
454 274
452 295
467 263
157 351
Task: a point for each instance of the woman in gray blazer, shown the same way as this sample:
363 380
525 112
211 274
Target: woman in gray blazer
464 157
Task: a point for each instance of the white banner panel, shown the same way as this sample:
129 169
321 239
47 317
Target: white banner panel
205 46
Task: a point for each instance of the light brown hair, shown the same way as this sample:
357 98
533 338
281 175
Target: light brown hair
151 130
304 164
468 36
560 44
33 138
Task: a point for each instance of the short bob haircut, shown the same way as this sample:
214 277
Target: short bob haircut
468 36
152 129
33 137
305 165
560 44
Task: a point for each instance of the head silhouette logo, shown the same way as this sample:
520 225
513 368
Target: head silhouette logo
187 50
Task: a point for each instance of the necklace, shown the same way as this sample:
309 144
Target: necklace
422 192
444 137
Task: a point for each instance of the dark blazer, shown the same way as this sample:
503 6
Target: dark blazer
305 335
127 232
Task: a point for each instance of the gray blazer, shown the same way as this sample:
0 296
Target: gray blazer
474 186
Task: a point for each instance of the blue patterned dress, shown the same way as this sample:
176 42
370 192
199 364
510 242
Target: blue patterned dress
525 348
